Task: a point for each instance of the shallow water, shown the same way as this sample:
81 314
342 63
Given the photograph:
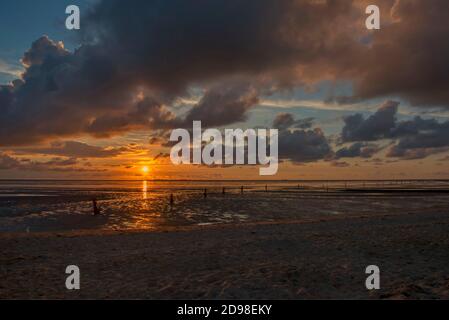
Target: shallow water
37 206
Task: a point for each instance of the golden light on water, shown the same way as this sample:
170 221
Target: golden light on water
145 190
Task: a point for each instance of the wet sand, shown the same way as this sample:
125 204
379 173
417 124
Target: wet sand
309 259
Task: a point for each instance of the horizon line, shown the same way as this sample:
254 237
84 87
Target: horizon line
226 180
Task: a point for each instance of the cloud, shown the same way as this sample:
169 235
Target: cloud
421 139
375 127
408 57
285 121
223 104
7 162
161 155
64 94
10 70
413 139
300 145
127 72
75 149
413 153
303 145
358 149
340 164
414 127
56 164
147 114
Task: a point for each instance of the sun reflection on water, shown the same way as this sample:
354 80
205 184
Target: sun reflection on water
144 190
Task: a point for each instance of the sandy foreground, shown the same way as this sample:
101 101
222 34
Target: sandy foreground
318 259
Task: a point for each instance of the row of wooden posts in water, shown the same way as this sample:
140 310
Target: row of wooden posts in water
301 187
325 187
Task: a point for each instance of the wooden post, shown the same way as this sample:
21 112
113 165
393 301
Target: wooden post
96 210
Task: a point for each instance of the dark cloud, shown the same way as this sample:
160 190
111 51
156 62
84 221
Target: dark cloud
422 138
303 145
75 149
42 51
223 104
358 149
65 94
285 121
146 114
414 127
375 127
127 71
413 139
300 145
408 57
56 164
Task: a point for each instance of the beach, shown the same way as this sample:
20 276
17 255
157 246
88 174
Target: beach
323 258
224 150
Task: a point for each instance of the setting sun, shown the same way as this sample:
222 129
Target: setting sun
145 169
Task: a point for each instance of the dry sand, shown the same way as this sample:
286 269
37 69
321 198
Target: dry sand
296 260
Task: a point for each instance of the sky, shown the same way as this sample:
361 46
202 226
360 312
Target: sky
101 102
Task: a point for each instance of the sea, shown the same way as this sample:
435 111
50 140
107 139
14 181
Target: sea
55 205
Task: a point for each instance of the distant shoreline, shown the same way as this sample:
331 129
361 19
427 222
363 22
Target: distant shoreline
232 180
